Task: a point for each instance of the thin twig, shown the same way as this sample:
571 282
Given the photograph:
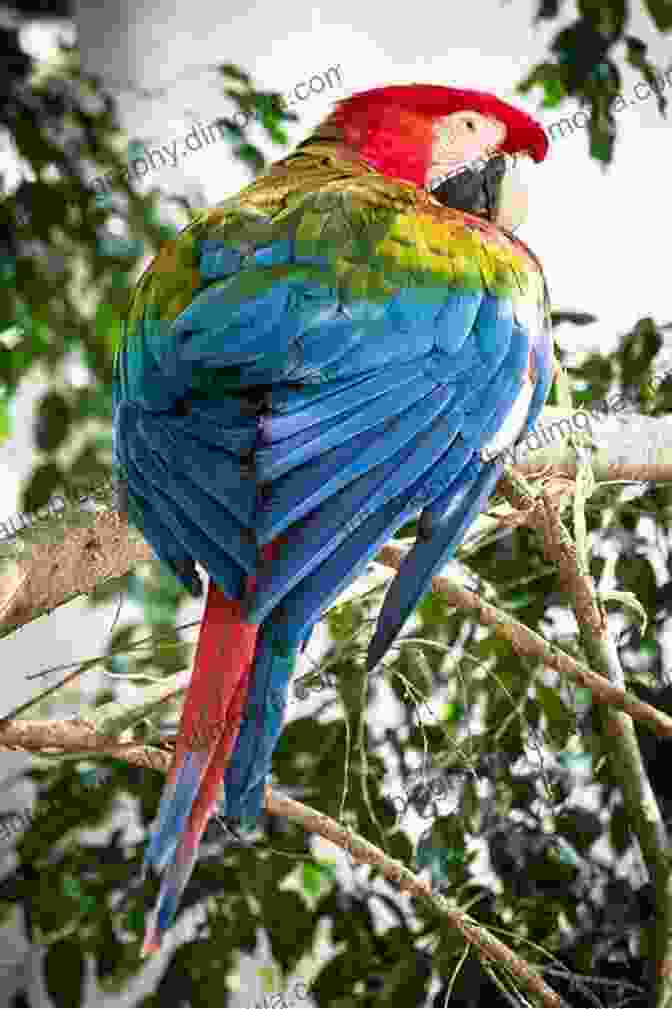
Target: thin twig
527 642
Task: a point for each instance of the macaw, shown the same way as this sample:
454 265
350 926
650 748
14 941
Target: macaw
350 342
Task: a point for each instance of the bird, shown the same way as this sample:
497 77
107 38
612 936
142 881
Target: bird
350 342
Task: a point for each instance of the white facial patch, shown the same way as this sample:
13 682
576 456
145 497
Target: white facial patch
461 138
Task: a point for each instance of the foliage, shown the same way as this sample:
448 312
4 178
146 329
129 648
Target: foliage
73 234
583 64
513 750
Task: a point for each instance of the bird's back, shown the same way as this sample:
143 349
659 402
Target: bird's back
309 350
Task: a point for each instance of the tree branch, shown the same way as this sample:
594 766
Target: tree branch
66 555
61 558
527 642
77 737
618 732
628 446
489 947
56 572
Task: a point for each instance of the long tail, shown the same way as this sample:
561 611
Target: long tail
232 661
209 728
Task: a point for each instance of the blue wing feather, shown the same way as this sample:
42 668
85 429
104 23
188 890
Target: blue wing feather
325 418
211 523
284 453
426 557
305 488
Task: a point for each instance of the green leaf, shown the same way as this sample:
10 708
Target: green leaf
87 903
661 13
649 646
64 972
229 70
5 419
620 833
548 76
251 156
554 93
453 711
601 145
638 350
519 600
583 696
561 721
52 423
576 318
44 482
311 879
71 886
636 56
314 875
135 921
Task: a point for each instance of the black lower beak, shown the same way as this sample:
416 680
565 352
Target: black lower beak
474 190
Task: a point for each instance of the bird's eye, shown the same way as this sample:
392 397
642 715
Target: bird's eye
471 125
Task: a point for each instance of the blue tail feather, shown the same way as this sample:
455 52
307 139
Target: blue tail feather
261 726
175 809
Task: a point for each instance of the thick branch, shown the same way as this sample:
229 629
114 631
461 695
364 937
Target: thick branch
68 554
57 572
46 736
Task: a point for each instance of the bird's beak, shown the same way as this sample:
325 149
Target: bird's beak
512 202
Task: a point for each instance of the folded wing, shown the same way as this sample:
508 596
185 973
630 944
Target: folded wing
317 375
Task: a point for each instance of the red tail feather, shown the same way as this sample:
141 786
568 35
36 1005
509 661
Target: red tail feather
223 660
209 728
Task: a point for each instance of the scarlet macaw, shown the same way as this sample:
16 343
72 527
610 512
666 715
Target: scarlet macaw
348 342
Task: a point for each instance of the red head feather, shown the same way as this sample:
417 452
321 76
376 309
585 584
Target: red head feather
391 127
